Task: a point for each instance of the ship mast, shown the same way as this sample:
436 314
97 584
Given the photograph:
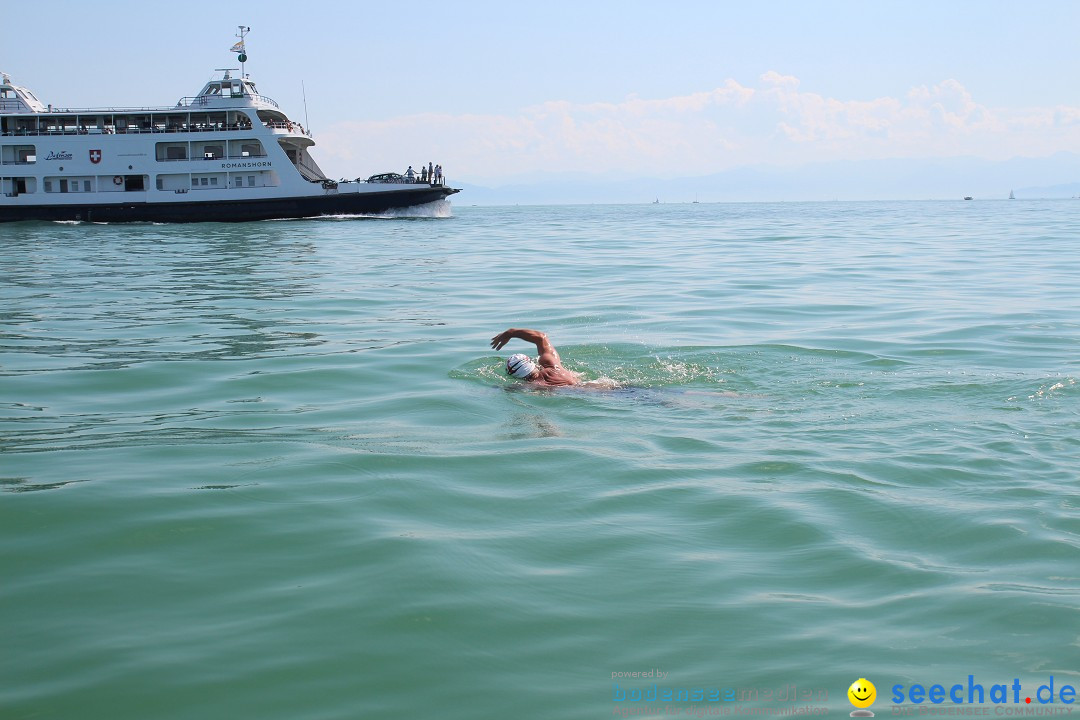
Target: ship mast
239 48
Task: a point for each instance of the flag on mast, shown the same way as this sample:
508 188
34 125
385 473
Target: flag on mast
238 47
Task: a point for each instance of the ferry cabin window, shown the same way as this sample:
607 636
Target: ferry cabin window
48 186
13 187
251 181
19 154
86 186
171 151
239 182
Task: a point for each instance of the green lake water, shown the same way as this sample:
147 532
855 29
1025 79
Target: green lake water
274 471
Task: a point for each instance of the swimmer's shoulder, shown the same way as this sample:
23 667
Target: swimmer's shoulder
558 376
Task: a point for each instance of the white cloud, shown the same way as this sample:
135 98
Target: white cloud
731 125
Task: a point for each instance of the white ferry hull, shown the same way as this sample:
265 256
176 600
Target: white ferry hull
267 208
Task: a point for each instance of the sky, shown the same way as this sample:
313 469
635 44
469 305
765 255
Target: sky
498 92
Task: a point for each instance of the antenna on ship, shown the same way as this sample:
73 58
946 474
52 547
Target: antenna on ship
239 48
307 123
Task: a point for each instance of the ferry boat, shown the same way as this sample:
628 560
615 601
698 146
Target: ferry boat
227 154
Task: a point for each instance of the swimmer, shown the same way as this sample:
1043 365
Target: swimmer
546 370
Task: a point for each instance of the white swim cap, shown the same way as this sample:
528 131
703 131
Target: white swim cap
520 366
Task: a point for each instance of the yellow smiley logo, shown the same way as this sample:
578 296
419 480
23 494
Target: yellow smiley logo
862 693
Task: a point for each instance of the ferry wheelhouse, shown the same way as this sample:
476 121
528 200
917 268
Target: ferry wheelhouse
226 154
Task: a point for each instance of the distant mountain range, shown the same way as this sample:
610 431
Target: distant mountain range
944 178
1068 190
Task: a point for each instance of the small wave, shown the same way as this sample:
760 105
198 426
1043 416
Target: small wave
432 210
437 209
1053 389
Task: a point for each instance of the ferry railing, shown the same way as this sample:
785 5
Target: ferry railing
113 130
287 127
310 172
56 110
402 180
268 101
204 100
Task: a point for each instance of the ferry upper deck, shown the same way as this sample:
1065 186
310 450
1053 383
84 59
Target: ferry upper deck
224 104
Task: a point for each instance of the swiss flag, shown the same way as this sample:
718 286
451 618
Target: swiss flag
95 156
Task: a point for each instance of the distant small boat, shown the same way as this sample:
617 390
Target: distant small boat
968 197
1012 195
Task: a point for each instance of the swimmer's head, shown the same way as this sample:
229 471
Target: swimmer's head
520 366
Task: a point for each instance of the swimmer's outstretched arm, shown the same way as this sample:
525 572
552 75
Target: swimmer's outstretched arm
549 357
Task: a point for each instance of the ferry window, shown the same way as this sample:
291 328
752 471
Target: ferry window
213 181
86 186
204 182
63 185
239 182
48 186
160 183
251 181
250 149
